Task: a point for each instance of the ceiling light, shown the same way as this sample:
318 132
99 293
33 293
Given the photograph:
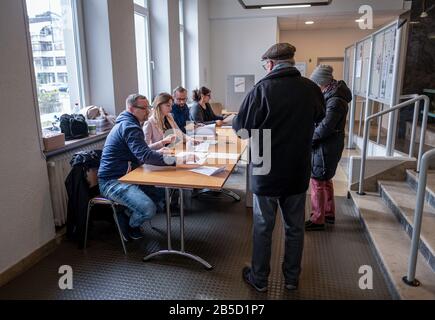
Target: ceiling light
424 14
359 20
309 22
287 7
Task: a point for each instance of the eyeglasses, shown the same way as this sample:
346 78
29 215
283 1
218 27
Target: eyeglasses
264 65
181 99
142 107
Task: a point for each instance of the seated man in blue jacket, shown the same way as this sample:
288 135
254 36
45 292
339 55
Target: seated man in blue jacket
180 110
125 149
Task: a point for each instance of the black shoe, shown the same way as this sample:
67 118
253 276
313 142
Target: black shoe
123 225
247 276
291 286
311 226
135 233
330 220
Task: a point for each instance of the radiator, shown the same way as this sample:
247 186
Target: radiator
58 169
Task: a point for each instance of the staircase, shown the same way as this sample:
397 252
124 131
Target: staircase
388 217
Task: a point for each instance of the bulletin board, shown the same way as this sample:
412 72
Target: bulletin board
362 66
382 69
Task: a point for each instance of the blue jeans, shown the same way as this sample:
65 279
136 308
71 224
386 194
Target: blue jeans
141 202
293 214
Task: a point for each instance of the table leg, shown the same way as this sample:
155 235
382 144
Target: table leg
170 251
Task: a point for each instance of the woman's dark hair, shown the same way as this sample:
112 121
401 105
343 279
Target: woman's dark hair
196 95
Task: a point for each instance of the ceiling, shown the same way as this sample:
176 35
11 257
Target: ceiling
333 20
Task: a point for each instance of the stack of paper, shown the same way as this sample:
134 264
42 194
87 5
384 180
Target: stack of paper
208 171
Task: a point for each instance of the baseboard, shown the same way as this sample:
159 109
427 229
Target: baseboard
29 261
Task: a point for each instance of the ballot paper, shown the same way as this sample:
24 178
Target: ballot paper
208 130
202 147
201 157
208 171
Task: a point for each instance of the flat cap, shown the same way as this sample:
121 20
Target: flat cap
280 51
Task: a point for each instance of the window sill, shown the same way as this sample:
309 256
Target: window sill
73 144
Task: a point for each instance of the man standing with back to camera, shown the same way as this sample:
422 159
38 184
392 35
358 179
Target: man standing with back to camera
289 106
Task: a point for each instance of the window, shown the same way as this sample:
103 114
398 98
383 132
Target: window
54 35
61 61
62 77
46 46
47 62
182 44
142 47
45 78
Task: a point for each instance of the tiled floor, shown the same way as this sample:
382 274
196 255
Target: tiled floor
220 232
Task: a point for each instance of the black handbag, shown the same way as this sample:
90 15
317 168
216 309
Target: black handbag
74 126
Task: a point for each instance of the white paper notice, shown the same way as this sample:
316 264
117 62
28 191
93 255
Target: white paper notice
239 85
358 69
208 171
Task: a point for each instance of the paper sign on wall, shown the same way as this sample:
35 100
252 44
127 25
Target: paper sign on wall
239 85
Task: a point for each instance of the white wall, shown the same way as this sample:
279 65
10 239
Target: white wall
236 48
312 44
204 43
111 52
25 207
191 43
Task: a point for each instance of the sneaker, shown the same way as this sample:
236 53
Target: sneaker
123 225
330 220
247 276
135 233
311 226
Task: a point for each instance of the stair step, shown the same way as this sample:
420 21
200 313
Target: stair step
412 180
401 199
392 246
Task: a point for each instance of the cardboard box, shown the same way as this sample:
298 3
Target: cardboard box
53 141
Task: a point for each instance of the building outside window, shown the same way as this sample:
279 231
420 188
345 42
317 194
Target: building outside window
52 27
141 21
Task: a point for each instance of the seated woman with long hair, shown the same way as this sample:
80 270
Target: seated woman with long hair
157 127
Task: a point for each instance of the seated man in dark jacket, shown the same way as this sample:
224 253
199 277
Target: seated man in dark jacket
328 145
125 149
180 110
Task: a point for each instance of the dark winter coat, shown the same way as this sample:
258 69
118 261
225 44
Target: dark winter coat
79 193
328 139
289 105
125 146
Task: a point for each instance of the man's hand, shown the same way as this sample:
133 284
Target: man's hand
166 151
219 123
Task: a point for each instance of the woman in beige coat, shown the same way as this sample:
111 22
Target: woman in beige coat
161 130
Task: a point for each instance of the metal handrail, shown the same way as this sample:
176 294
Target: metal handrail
367 120
418 215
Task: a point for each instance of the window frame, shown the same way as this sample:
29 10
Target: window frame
182 42
80 61
144 12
